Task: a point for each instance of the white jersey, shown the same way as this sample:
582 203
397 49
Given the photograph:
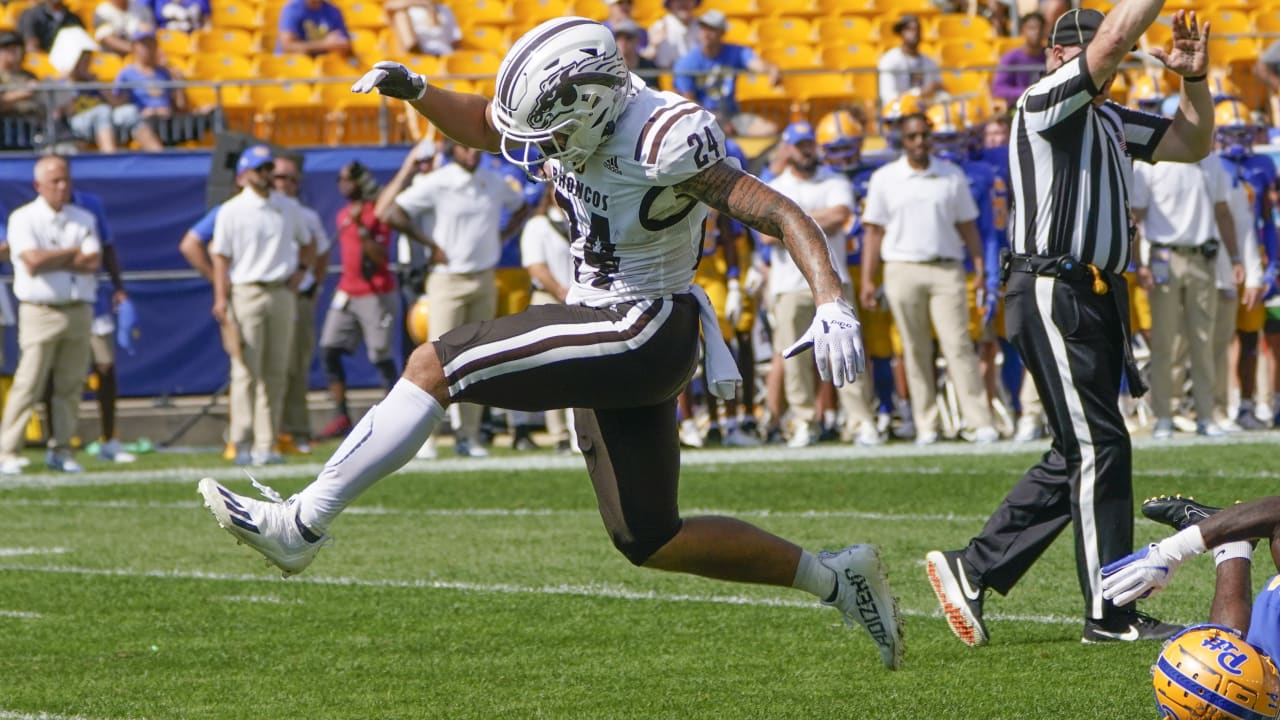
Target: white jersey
633 237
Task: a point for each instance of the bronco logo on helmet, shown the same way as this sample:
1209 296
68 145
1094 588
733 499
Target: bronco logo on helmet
559 92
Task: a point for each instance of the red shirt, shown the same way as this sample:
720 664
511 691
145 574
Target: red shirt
353 281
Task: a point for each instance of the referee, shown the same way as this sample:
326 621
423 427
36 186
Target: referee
1067 309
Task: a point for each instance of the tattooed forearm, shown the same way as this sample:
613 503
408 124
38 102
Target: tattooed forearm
759 206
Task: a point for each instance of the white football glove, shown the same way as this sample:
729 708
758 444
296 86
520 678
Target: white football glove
733 303
1138 575
754 282
393 80
836 338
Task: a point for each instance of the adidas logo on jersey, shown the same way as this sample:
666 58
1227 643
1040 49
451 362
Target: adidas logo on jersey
611 164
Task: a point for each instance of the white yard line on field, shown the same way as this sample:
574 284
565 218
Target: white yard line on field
15 715
19 552
589 591
20 615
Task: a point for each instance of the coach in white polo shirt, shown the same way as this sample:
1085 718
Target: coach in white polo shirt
827 197
919 220
56 251
467 201
261 250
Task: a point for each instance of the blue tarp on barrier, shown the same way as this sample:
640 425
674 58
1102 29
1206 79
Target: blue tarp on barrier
151 201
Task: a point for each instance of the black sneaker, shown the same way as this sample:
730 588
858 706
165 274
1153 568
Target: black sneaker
1176 511
959 592
749 427
713 438
775 437
829 433
1135 627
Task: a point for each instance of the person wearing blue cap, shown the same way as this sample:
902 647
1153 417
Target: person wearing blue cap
827 196
261 251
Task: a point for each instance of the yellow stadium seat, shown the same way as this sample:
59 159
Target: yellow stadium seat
792 8
476 63
367 45
792 57
786 31
756 94
176 45
457 85
820 91
493 12
1228 22
238 110
842 30
428 66
1225 51
964 82
364 14
293 123
644 11
884 30
201 97
1265 21
965 53
1002 45
743 32
232 41
733 8
9 15
288 66
1159 35
531 12
489 38
354 119
229 14
331 65
850 56
38 64
835 8
960 27
897 8
105 65
220 67
267 96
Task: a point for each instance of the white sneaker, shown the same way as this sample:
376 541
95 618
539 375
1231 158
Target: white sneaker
984 436
465 448
689 434
11 466
1184 423
868 435
272 527
926 438
1227 425
258 459
1163 429
428 450
1209 430
113 451
863 597
906 431
1028 429
737 438
883 422
802 436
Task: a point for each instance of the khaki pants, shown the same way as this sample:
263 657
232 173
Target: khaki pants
1186 305
297 418
793 313
455 299
1224 330
557 420
54 344
265 317
929 298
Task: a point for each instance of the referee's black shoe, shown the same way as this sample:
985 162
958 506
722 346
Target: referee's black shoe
960 593
1127 628
1176 511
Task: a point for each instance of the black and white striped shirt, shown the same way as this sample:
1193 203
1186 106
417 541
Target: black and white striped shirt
1070 173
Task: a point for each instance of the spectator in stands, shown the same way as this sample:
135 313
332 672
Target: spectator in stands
364 305
672 36
1268 68
312 27
259 246
708 73
56 252
295 424
94 115
424 26
115 22
620 14
40 23
904 68
1022 66
17 102
183 15
141 81
467 201
628 36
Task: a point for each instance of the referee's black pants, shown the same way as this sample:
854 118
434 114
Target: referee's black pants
1072 342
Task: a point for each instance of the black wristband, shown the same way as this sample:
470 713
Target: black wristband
1194 78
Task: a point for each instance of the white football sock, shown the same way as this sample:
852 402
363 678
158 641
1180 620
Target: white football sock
814 577
382 442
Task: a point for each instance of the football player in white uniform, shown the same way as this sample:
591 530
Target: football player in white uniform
634 170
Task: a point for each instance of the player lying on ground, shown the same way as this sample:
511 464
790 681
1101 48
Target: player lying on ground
634 170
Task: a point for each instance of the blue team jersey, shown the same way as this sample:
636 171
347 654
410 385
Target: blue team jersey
204 226
1258 173
1264 627
532 192
982 183
860 177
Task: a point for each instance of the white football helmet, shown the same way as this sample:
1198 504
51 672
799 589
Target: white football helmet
559 92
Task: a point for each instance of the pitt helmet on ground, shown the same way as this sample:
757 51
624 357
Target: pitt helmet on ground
840 140
908 103
949 129
558 93
1234 127
1145 93
1209 672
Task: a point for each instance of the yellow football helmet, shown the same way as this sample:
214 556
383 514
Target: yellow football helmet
415 321
1145 93
839 137
909 103
1209 672
1222 88
950 125
1234 128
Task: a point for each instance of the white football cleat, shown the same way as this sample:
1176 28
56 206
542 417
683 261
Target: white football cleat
272 527
863 597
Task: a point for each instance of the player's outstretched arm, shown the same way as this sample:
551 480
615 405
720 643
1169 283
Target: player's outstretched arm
462 116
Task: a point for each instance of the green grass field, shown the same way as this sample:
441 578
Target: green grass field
488 589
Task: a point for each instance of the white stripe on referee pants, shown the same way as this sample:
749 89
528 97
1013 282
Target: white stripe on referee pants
563 352
1080 426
